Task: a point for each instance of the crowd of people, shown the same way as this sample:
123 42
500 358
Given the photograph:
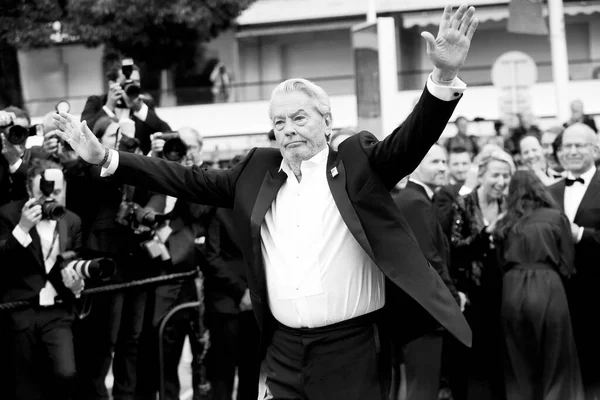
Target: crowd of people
334 265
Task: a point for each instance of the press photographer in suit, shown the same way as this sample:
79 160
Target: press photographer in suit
329 256
177 225
33 233
125 100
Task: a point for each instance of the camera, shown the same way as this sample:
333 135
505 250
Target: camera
51 209
17 134
132 88
174 149
96 268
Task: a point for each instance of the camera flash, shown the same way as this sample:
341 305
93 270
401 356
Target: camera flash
53 174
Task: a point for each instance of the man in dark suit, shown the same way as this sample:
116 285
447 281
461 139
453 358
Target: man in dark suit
423 356
14 160
459 163
234 333
118 105
39 334
329 256
578 194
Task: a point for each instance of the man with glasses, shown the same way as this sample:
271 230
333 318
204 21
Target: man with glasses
577 194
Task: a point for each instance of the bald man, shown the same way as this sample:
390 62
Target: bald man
578 194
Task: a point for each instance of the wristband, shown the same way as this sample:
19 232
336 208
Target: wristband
105 159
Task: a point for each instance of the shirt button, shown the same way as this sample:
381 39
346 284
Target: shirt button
456 94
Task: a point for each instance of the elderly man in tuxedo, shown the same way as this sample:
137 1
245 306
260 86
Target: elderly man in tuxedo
330 260
579 195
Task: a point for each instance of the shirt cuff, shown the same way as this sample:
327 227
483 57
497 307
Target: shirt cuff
142 113
579 234
108 112
446 92
23 238
13 168
112 167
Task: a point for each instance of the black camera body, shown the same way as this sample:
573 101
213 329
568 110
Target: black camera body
97 268
174 149
17 134
51 209
131 88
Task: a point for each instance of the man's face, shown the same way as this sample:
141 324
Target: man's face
546 141
458 165
299 128
531 151
194 152
59 184
432 170
578 149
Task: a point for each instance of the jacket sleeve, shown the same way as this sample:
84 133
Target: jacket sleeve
401 152
195 184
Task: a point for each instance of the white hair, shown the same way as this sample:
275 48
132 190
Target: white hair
323 106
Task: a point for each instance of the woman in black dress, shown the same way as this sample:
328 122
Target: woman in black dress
536 252
478 371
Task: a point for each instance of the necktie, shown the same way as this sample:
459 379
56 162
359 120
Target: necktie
570 182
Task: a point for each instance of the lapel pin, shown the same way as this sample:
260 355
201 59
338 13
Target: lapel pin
334 172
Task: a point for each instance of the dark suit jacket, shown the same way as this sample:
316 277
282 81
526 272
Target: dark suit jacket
444 200
226 270
421 215
24 273
360 178
93 110
12 186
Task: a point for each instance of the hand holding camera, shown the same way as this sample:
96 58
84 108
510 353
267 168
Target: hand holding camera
31 214
115 94
51 143
158 144
11 152
72 280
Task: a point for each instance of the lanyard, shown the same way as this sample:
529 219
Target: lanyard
54 238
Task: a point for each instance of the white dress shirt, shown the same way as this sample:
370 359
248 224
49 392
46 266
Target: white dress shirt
574 194
317 273
45 230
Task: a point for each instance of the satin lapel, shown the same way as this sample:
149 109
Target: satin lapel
336 177
271 184
62 235
36 247
560 190
590 193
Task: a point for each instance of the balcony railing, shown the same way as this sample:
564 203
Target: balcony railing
334 85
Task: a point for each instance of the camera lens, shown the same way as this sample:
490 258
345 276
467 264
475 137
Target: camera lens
53 211
17 135
132 90
174 149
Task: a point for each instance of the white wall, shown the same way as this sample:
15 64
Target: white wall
69 72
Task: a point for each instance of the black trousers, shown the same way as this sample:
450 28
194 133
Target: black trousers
113 325
423 361
42 361
349 360
234 343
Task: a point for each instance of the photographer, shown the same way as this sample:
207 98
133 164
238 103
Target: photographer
186 222
114 320
14 159
124 100
33 233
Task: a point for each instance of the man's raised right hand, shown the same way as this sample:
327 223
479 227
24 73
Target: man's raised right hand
80 137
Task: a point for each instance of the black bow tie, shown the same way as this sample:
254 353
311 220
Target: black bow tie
570 182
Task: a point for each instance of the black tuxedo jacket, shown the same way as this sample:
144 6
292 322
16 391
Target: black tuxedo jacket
24 273
418 209
360 176
444 200
93 110
225 272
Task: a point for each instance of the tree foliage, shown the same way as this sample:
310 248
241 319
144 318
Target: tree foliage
157 32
